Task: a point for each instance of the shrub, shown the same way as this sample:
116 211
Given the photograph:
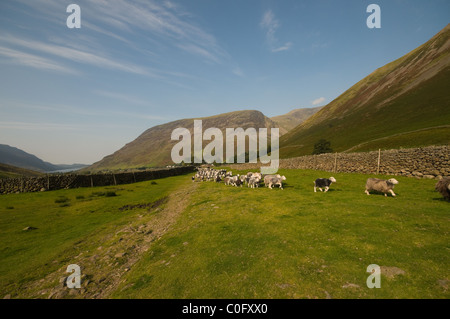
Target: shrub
322 146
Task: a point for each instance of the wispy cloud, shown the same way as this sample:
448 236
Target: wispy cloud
318 101
163 24
270 25
34 61
122 97
238 71
76 55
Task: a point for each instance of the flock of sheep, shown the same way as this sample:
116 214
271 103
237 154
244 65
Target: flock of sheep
253 180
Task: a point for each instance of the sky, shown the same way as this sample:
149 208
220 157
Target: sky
75 95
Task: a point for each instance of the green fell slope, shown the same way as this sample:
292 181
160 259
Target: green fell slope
388 108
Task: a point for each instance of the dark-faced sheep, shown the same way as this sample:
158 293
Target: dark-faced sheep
381 185
443 187
323 182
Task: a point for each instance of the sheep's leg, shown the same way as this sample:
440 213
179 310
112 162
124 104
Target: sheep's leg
281 186
367 192
314 189
392 192
320 188
326 189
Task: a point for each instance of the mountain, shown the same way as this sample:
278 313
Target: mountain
153 147
288 121
405 103
13 156
9 171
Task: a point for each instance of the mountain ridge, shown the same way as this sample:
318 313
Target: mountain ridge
14 156
410 91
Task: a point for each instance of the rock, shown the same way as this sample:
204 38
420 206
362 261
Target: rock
350 285
8 296
119 255
444 283
391 272
428 176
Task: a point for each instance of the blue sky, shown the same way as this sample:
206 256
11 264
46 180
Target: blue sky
77 95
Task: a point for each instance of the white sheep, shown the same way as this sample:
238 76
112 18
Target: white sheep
381 185
277 181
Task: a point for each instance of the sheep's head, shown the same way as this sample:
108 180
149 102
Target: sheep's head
283 178
332 179
393 181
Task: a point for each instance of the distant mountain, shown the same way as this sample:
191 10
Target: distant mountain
13 156
153 147
405 103
288 121
9 171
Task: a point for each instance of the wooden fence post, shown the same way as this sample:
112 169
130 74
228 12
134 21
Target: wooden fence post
335 163
115 183
379 161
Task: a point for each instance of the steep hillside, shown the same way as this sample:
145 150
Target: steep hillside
16 157
9 171
288 121
153 147
405 103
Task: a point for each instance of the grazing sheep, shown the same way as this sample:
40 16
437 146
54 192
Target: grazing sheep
277 181
227 180
253 182
443 187
323 182
267 179
381 185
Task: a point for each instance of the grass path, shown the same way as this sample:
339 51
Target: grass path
105 236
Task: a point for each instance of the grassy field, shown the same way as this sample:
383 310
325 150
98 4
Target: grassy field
68 223
233 242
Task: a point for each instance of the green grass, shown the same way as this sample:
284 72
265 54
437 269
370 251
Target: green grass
293 243
66 221
242 243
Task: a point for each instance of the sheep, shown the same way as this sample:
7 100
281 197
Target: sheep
267 179
277 181
443 187
227 180
253 182
380 185
323 182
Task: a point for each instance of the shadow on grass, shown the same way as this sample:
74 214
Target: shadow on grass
441 199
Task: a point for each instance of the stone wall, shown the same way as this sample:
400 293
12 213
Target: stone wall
53 182
426 162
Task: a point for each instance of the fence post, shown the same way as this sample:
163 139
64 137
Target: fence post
379 160
335 163
114 177
92 182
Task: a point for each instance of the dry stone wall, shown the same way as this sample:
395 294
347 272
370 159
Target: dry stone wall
425 162
65 181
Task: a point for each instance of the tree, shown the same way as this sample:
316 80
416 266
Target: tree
322 146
